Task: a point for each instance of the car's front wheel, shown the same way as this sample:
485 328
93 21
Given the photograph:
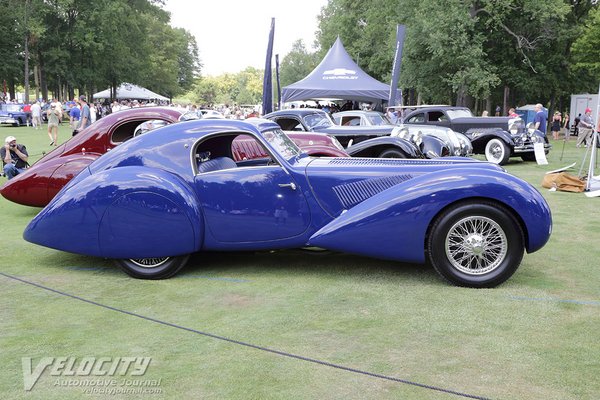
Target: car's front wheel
475 244
152 268
497 151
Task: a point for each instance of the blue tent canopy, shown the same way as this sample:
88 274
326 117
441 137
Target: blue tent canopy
337 77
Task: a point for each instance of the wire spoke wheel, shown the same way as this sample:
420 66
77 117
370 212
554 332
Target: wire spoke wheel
149 262
152 267
476 245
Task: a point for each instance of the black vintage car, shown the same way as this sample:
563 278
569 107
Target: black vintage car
359 141
497 137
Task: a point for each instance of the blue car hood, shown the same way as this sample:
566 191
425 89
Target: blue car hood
339 184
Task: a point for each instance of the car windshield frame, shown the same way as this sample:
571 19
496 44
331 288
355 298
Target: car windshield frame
281 143
317 119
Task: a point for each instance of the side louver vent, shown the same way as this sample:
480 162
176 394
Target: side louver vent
351 194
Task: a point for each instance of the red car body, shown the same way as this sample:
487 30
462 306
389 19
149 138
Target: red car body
44 179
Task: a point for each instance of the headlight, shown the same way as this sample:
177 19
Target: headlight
535 139
515 125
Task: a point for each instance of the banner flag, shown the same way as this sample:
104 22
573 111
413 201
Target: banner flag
267 105
396 99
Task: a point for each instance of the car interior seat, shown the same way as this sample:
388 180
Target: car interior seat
216 164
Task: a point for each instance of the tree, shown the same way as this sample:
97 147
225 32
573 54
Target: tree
586 52
297 64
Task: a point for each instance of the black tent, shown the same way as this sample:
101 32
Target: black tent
337 77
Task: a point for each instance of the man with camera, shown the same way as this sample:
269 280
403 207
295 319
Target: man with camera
14 156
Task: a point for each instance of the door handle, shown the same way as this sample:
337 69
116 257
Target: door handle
291 185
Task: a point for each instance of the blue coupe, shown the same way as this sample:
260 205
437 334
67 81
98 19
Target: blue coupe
152 201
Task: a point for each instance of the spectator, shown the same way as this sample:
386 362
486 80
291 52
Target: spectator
27 111
498 110
512 113
540 119
85 115
14 157
53 119
36 115
586 127
555 127
93 113
74 115
484 113
566 126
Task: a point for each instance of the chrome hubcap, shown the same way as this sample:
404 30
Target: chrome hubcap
476 245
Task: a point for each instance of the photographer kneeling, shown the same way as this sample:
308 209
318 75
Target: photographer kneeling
14 156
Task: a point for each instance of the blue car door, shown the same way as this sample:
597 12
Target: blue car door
252 204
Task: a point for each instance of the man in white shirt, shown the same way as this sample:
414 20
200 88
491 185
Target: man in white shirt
36 115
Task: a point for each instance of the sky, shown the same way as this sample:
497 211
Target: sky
232 35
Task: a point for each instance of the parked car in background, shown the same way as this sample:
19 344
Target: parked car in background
470 219
455 143
499 138
13 114
361 118
40 182
358 141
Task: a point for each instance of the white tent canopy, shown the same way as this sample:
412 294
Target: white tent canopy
130 91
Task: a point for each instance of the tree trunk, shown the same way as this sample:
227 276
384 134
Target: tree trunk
505 106
26 68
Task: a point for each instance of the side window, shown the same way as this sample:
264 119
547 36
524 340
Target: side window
436 116
148 126
417 119
289 124
130 129
351 121
230 151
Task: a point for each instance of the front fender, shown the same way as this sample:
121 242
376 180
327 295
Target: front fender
394 223
383 142
433 147
128 212
480 137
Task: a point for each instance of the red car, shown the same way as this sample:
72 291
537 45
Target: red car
44 179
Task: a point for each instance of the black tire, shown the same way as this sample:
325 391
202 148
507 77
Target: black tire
153 268
392 153
475 244
528 157
497 151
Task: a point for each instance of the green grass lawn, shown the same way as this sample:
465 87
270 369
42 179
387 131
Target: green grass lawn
534 337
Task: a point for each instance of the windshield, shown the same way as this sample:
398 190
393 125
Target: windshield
282 143
11 107
314 120
459 113
378 119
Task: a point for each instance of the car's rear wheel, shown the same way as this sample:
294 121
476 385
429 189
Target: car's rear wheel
475 244
497 151
152 268
392 153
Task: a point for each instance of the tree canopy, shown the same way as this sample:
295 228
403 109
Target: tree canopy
88 45
478 53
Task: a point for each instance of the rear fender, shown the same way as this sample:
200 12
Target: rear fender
128 212
394 223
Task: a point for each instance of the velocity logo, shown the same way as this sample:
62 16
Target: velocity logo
85 366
